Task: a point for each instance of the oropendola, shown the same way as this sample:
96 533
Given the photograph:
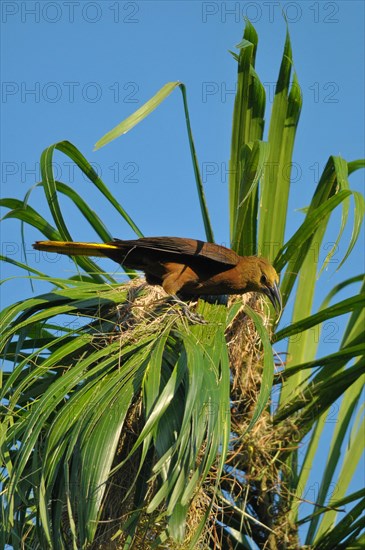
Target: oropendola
185 266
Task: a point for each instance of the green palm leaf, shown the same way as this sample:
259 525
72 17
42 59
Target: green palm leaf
144 111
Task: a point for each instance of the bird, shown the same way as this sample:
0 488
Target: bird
187 267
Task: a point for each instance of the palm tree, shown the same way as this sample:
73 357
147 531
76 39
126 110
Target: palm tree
138 429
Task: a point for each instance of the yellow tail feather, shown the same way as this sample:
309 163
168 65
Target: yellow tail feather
74 249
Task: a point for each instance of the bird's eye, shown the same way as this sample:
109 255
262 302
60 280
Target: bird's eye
263 279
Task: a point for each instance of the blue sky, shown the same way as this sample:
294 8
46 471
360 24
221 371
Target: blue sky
78 76
73 70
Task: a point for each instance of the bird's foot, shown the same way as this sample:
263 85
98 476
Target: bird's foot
190 315
220 299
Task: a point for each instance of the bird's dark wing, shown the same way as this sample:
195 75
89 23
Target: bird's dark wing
179 247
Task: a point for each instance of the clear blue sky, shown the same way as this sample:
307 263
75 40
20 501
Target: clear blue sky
73 70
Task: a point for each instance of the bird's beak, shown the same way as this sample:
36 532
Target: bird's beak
273 293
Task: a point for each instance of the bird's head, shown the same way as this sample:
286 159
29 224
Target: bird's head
264 279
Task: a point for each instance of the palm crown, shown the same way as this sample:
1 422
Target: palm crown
138 426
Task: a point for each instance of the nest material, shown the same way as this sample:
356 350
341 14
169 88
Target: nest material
256 456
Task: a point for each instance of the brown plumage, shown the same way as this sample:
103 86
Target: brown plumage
187 266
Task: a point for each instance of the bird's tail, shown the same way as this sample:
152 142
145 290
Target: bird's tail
76 249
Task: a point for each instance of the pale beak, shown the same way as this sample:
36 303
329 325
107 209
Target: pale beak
274 295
